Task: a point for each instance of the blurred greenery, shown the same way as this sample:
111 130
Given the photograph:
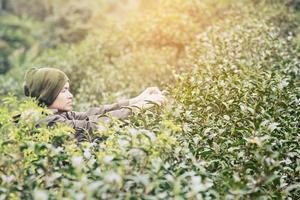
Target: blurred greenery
229 131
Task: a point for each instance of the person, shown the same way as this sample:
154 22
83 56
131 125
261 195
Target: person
51 88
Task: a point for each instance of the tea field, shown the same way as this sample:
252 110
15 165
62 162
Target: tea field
230 129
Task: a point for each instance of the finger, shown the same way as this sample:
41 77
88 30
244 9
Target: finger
163 100
154 90
164 92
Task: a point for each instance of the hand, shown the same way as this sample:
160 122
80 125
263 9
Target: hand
151 100
159 99
145 94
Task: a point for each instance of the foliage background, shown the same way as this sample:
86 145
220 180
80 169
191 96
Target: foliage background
230 130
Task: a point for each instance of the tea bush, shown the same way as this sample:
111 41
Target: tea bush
148 46
28 28
240 109
229 131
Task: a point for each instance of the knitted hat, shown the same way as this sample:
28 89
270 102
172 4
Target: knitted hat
44 84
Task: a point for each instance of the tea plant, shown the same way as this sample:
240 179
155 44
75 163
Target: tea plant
230 129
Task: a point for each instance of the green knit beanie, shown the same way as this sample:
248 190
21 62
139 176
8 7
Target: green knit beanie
44 84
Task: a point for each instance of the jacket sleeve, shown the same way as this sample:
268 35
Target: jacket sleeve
83 124
117 110
82 128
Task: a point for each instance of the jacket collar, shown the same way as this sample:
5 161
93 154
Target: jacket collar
53 111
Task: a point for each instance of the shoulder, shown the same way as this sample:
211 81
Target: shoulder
51 119
54 117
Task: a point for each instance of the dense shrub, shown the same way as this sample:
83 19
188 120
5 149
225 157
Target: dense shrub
25 34
17 41
114 57
230 130
239 109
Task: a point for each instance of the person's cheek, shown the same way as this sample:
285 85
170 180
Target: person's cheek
69 101
62 102
66 100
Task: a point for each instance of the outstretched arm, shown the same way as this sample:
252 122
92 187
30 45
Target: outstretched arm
121 108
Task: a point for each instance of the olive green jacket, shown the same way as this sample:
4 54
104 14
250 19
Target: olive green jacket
88 122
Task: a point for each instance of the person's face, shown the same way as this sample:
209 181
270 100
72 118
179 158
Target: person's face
64 100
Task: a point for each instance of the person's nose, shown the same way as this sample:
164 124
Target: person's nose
70 95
